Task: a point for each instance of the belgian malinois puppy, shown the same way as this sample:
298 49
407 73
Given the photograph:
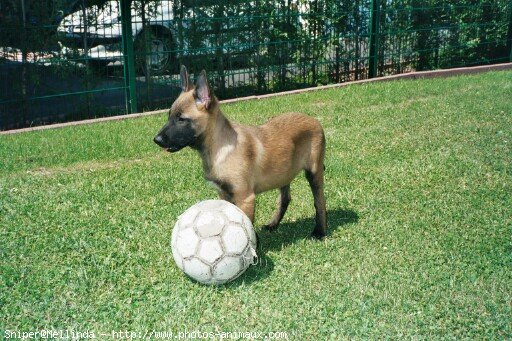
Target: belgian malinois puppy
242 161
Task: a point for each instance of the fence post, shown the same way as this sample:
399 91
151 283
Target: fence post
128 57
509 35
374 40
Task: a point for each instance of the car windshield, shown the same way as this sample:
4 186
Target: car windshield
110 13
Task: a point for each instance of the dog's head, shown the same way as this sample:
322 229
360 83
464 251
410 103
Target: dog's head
189 114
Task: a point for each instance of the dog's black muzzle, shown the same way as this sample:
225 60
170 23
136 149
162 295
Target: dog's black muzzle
161 141
175 135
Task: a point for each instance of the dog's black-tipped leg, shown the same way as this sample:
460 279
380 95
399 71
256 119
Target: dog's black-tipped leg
282 206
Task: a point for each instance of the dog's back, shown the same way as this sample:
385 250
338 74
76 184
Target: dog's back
282 147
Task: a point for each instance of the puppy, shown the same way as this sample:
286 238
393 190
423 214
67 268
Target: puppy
242 161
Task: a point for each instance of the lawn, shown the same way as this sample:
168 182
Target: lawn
419 196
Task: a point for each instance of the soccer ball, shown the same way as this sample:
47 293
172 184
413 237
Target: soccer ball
213 242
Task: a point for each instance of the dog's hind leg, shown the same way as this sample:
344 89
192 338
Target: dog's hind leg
282 205
316 181
314 172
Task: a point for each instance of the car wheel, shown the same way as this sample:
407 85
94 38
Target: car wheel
153 51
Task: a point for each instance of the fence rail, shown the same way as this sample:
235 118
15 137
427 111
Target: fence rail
64 60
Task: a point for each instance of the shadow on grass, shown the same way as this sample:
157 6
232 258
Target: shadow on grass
286 234
289 232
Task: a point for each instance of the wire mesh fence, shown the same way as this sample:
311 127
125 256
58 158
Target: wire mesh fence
63 60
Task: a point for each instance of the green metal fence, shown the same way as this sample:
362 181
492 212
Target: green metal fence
63 60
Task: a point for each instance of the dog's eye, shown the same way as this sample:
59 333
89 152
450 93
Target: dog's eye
180 118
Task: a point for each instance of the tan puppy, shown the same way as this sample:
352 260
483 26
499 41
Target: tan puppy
242 161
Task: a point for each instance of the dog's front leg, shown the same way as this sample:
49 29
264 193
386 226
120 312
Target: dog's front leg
226 196
246 202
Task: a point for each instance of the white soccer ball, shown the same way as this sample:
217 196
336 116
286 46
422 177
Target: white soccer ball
213 242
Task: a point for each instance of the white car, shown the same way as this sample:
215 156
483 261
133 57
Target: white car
158 45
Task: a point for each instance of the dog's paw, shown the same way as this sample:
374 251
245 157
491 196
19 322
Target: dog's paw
270 227
318 235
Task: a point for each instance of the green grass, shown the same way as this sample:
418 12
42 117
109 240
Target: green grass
419 193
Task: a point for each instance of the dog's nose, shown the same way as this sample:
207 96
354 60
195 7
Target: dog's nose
159 141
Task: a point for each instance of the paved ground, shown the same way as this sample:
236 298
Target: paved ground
46 86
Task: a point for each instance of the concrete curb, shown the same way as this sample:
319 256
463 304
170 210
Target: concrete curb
411 75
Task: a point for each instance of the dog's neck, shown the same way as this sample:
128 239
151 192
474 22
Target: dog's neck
218 140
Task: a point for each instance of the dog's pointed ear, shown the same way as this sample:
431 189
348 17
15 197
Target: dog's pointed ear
203 92
186 83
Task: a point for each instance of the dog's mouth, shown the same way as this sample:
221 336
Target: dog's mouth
173 149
